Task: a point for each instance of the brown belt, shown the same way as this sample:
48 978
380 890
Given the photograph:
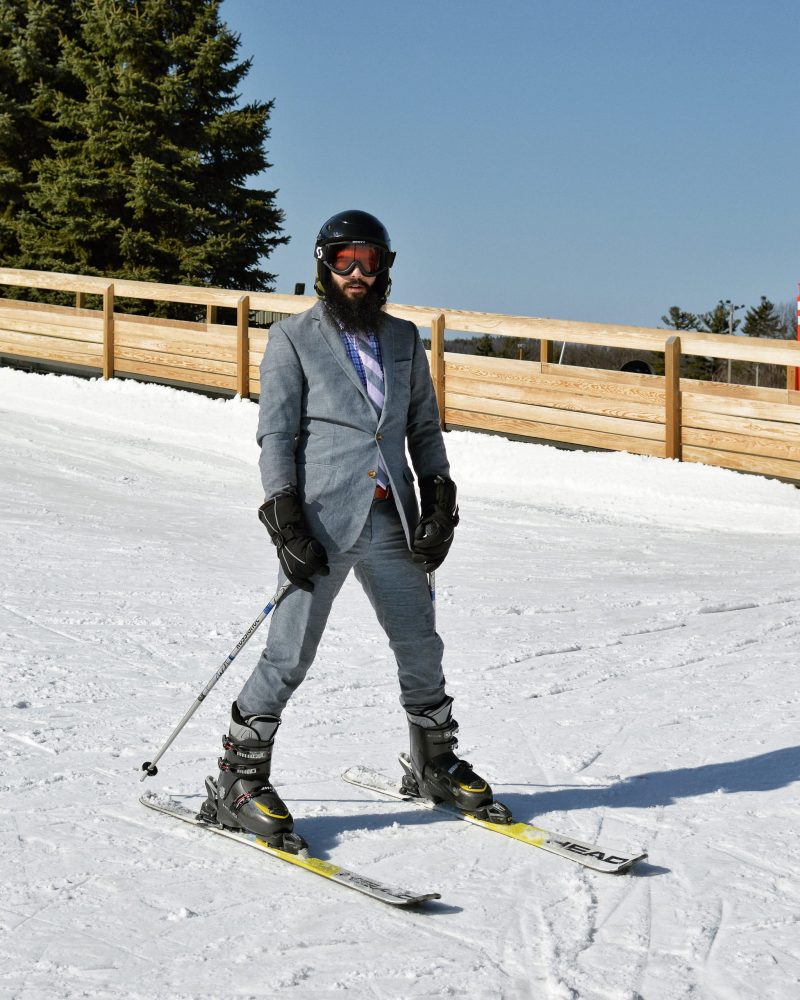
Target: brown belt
382 493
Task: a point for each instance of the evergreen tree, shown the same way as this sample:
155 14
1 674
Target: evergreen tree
31 72
718 320
147 169
484 346
763 320
677 319
13 98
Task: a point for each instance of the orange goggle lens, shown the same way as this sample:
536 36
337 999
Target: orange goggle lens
345 257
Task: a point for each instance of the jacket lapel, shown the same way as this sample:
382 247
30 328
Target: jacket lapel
386 343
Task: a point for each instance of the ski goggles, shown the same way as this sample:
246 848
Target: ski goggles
344 258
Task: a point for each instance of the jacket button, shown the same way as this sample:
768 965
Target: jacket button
372 473
379 437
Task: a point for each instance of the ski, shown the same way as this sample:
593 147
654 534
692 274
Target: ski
589 855
327 869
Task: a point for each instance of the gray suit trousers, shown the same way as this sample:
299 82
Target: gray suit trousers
397 589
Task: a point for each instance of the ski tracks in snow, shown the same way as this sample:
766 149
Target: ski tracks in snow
629 678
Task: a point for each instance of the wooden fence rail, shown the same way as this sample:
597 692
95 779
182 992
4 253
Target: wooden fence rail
737 427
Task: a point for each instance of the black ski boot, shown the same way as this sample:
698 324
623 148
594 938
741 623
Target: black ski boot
242 797
434 772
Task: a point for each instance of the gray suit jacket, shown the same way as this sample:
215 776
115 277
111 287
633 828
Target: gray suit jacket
319 432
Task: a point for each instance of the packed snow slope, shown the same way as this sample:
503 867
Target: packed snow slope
622 637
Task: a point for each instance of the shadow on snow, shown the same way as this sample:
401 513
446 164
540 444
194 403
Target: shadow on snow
766 772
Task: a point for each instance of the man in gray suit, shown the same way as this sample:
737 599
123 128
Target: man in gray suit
345 389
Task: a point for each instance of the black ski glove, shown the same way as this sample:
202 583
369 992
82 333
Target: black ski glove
434 534
300 555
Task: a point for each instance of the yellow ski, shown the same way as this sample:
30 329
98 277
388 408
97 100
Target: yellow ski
589 855
318 866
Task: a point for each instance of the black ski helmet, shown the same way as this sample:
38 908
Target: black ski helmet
353 226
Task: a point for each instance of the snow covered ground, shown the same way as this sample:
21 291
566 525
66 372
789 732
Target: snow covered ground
622 638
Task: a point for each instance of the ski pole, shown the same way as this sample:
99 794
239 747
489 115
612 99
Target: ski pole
149 766
432 589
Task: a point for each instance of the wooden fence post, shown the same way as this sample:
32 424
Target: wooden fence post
243 346
672 398
437 363
108 332
211 315
545 352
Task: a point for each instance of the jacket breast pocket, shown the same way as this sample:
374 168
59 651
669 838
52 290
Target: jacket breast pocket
401 382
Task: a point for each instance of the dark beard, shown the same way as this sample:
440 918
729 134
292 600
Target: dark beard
362 315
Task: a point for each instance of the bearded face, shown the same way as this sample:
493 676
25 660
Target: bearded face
353 302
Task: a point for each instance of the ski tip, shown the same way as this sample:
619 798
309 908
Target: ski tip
355 772
408 901
423 898
157 800
626 868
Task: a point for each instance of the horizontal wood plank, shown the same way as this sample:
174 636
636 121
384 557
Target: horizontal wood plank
174 348
743 463
753 427
696 404
727 390
607 377
585 381
174 361
714 345
180 330
48 315
26 342
71 352
602 425
280 303
536 395
191 327
478 366
554 432
743 444
22 305
172 374
91 333
52 281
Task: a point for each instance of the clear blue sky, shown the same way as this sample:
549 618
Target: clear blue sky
597 160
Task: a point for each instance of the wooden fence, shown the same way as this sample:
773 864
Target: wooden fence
737 427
